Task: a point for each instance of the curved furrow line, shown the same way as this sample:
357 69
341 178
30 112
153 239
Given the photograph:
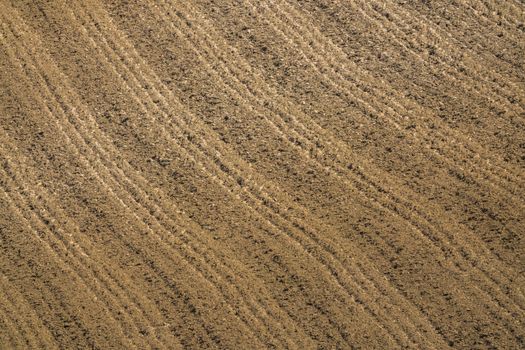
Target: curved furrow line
19 329
193 160
473 261
165 218
104 278
117 196
410 207
318 129
442 55
84 146
96 175
252 208
7 325
412 105
494 21
79 259
291 205
449 38
395 7
120 290
129 209
444 144
380 190
36 223
497 17
470 67
449 41
329 63
149 231
120 174
10 294
163 210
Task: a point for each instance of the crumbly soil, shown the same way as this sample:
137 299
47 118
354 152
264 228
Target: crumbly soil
242 174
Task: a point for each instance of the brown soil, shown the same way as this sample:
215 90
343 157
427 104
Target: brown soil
252 174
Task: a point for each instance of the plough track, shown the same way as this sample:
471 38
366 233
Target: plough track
135 213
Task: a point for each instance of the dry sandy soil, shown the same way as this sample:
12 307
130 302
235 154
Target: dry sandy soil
249 174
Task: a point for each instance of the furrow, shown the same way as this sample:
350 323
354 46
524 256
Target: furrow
35 223
400 13
159 211
149 228
292 117
320 130
241 174
449 41
182 135
392 111
422 230
360 175
278 131
338 79
443 55
83 256
9 292
254 209
121 291
133 212
44 215
309 27
336 153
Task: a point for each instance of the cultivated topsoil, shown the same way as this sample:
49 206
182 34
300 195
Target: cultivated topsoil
248 174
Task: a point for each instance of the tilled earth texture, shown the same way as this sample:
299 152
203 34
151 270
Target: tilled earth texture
244 174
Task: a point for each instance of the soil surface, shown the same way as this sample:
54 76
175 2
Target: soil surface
242 174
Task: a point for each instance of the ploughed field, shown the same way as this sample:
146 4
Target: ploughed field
323 174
